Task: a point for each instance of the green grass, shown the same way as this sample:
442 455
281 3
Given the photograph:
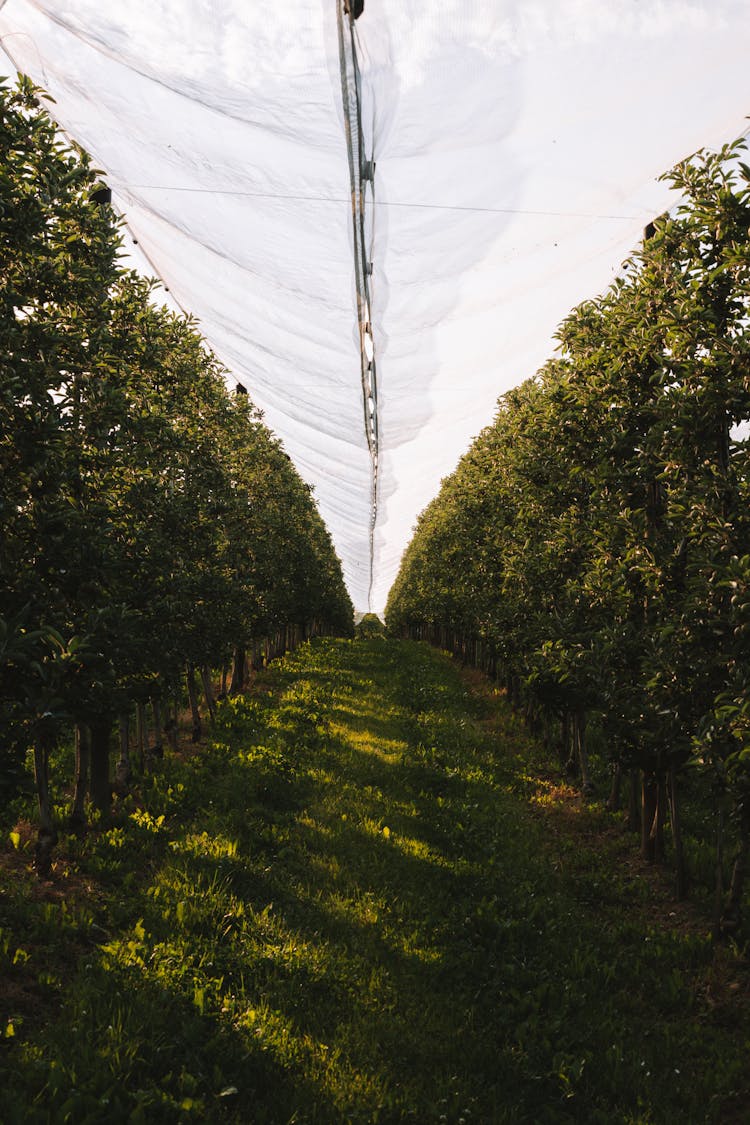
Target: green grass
347 908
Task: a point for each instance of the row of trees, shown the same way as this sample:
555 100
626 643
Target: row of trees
593 546
150 525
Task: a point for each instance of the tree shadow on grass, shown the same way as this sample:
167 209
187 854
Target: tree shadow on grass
129 1049
377 942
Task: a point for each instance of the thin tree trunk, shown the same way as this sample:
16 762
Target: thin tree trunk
122 767
239 670
732 913
158 731
680 868
649 802
77 818
171 727
47 834
579 736
719 887
208 691
224 679
100 788
634 808
193 697
141 727
657 825
566 754
615 792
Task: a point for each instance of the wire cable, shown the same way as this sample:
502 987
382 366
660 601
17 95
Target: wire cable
386 202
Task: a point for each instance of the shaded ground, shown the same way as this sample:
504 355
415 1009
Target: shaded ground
363 903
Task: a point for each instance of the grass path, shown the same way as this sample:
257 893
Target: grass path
345 910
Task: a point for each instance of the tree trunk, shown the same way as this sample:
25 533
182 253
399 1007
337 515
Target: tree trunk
171 728
47 834
650 791
719 888
579 739
732 914
77 818
141 728
634 808
565 752
158 730
208 691
615 792
239 670
680 868
123 768
193 697
100 788
660 815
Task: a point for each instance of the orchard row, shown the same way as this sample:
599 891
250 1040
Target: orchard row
593 546
149 522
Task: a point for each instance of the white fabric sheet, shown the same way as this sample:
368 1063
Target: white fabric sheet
517 145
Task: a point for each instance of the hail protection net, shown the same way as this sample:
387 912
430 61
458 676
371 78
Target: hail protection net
380 222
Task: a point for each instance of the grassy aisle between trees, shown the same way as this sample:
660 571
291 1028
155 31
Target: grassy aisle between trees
346 910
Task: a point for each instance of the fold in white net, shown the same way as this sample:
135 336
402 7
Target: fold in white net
517 146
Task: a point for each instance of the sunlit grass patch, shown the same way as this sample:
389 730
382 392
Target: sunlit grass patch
204 843
376 829
366 739
316 826
416 848
413 944
550 792
362 908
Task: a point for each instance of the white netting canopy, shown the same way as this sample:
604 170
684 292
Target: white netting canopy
376 315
